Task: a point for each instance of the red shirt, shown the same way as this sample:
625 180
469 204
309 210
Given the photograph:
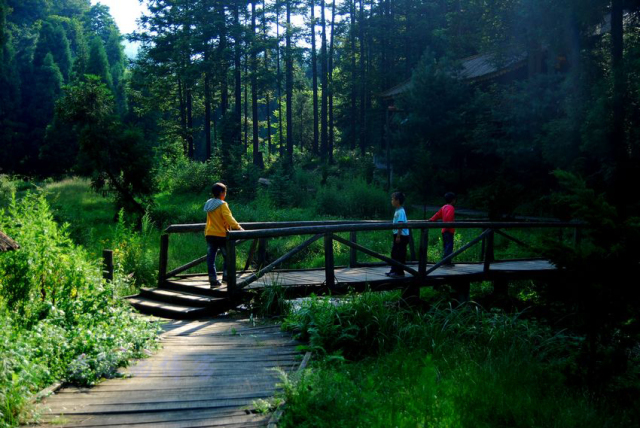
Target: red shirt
446 214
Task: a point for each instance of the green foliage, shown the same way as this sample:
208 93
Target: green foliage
58 319
98 64
7 190
135 252
444 367
597 289
289 186
53 40
352 198
180 175
115 155
271 302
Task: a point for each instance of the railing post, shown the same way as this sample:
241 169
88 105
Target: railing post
262 252
164 257
412 246
488 255
107 265
424 247
330 274
353 253
231 267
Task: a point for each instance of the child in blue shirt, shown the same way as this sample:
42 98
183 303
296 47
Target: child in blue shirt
400 236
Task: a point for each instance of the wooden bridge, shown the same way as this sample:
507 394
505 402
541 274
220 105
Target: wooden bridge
183 295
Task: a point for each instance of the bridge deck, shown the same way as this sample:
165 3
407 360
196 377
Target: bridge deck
375 275
209 373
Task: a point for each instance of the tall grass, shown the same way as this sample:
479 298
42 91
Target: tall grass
381 364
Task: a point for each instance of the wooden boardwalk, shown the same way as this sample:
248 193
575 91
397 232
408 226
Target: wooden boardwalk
208 374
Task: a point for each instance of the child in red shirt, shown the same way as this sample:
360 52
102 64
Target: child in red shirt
447 214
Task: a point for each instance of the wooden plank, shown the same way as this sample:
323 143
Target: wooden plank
222 417
158 396
253 277
106 408
152 388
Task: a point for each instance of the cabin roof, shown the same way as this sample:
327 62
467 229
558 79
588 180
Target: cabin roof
6 243
477 68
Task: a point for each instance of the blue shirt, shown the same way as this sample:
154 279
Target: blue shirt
400 217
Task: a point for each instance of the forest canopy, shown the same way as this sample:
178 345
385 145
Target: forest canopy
490 97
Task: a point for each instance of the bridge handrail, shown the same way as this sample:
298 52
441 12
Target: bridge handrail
199 227
259 232
371 226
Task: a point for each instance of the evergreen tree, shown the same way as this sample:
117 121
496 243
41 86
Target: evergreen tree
98 65
49 83
53 39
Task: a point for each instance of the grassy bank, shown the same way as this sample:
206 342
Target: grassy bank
380 364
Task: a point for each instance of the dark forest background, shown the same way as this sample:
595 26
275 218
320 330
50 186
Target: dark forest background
238 82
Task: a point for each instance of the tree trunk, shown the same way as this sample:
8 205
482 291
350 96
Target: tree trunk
266 72
289 85
207 113
192 151
618 144
352 36
183 117
331 130
323 80
246 105
257 158
222 48
237 69
279 82
362 80
314 74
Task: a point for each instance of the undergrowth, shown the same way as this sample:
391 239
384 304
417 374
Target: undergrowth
380 363
59 320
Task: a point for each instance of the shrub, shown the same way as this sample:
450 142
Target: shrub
58 319
7 190
181 175
135 251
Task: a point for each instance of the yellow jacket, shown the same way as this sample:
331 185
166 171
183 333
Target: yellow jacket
219 218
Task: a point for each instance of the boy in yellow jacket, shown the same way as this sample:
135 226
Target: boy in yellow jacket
219 221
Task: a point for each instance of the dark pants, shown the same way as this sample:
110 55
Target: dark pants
399 253
215 243
447 243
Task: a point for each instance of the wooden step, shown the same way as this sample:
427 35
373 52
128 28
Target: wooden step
179 297
195 285
168 310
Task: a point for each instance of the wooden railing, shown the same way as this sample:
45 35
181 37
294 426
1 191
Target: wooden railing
259 233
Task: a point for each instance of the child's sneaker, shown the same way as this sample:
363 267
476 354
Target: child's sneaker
215 284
